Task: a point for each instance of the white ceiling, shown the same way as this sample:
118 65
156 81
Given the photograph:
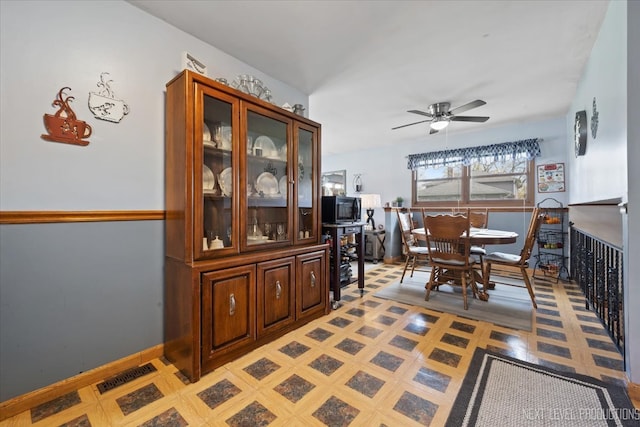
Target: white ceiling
365 63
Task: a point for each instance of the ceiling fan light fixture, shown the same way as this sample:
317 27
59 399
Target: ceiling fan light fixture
439 124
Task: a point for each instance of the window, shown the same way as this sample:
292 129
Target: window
494 175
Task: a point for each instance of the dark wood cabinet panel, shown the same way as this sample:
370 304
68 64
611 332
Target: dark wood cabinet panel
276 295
311 280
228 317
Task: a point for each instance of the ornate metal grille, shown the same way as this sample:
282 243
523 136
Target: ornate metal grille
597 267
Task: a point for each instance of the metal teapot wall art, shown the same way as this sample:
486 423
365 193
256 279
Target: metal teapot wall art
64 126
104 104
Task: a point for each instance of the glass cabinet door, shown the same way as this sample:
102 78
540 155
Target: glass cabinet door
217 130
267 178
305 221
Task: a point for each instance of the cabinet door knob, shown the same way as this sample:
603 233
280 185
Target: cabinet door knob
313 279
278 289
232 305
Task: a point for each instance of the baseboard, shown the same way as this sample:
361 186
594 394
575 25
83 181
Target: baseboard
18 404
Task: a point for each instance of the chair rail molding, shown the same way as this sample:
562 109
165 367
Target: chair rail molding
42 217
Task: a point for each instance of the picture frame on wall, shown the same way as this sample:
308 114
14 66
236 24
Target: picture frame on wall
551 178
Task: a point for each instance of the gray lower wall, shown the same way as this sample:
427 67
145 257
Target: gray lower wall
76 296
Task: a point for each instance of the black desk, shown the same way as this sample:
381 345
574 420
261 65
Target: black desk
335 232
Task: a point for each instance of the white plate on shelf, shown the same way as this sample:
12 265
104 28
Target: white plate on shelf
282 186
206 133
208 178
268 147
226 182
267 184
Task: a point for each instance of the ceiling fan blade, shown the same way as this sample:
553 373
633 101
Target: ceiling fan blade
479 119
410 124
422 113
466 107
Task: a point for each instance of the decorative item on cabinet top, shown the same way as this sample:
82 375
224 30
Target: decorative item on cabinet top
252 86
189 62
104 104
296 108
63 126
255 87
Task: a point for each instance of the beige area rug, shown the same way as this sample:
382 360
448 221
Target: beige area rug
507 306
500 391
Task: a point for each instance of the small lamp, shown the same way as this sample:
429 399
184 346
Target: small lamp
370 202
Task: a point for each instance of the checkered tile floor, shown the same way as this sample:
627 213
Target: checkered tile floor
371 362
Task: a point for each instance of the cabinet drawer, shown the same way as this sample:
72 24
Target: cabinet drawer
351 230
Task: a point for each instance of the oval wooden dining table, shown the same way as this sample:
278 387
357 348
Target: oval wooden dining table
479 237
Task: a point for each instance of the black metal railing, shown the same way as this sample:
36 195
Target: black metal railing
597 267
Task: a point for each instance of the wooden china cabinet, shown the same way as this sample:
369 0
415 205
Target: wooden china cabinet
244 260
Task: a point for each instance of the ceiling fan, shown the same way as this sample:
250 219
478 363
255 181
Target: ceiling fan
440 115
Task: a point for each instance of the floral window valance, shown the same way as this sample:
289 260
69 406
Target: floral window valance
524 149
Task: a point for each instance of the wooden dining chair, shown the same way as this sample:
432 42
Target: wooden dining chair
478 218
520 261
414 253
449 256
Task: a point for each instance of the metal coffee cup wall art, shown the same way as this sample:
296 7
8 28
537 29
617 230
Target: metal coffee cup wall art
104 104
64 126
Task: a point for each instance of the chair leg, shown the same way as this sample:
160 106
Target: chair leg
413 265
527 282
464 290
406 264
430 283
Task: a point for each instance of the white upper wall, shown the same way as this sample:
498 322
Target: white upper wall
47 45
601 174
